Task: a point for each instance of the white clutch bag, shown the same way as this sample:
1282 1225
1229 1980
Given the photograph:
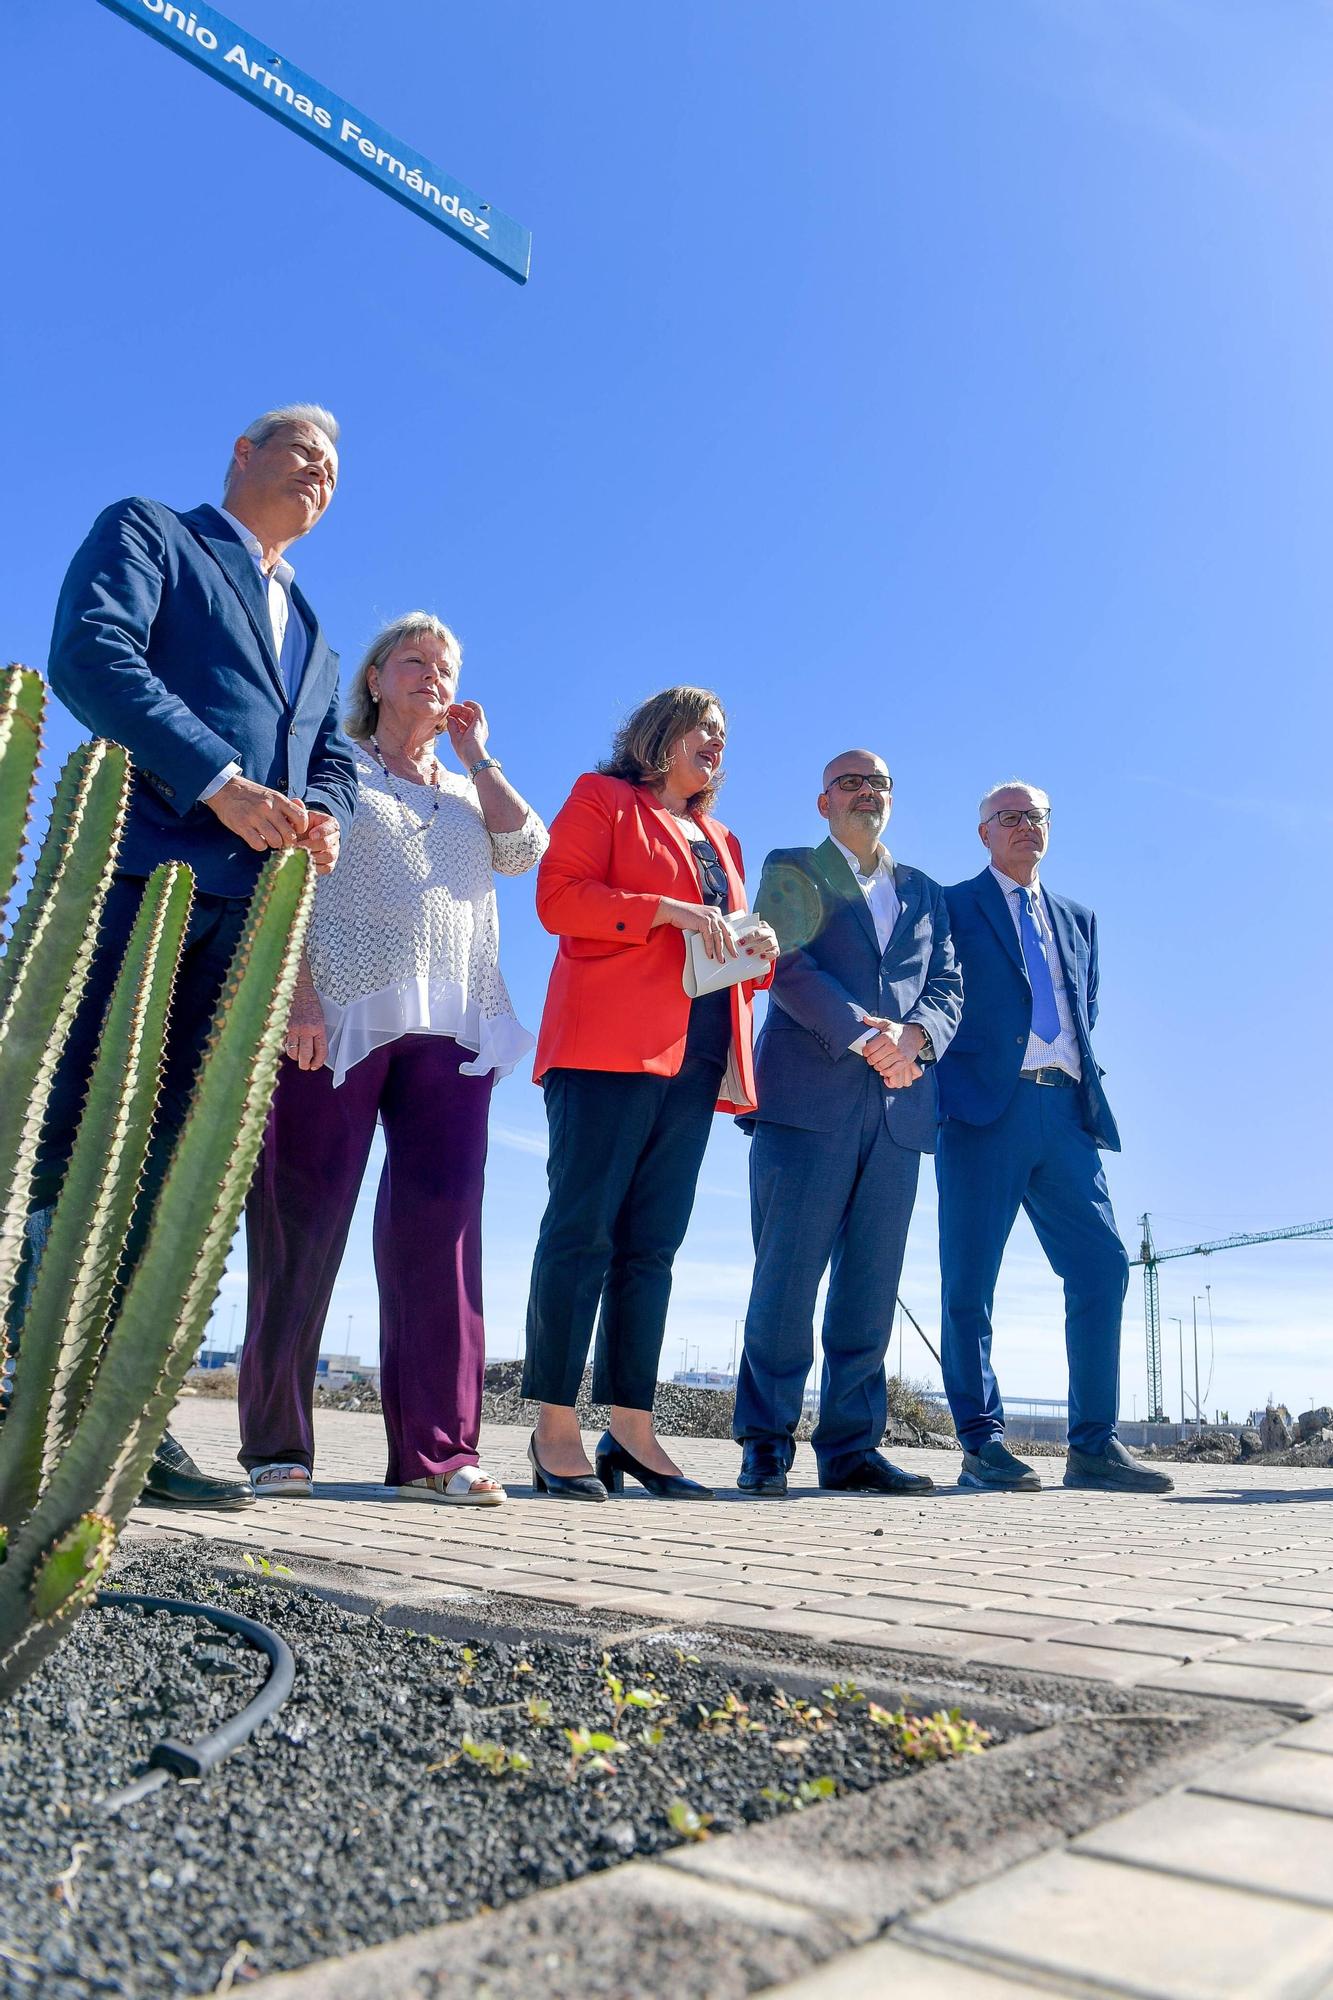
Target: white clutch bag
702 974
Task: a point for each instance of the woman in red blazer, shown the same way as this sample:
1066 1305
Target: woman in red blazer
633 1071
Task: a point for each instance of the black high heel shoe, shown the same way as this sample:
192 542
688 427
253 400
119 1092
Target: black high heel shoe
581 1486
613 1462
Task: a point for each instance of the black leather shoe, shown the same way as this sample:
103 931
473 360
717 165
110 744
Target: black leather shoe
763 1473
874 1474
575 1486
996 1469
613 1462
174 1480
1114 1470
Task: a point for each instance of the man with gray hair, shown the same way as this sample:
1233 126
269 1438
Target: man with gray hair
184 636
1023 1114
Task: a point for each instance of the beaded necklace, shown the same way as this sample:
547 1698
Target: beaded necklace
396 794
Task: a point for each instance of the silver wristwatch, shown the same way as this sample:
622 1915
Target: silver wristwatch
486 764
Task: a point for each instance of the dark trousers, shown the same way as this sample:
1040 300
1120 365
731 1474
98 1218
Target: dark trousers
215 925
844 1196
427 1239
625 1154
1035 1156
210 938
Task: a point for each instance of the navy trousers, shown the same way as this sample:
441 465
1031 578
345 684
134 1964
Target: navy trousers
1035 1156
843 1197
214 926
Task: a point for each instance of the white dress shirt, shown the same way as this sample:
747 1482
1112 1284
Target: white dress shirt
882 901
291 641
877 888
1062 1053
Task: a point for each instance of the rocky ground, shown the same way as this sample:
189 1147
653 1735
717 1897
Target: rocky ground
406 1781
1306 1442
914 1419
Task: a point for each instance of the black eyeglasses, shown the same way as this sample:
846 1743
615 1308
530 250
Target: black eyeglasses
1034 815
852 781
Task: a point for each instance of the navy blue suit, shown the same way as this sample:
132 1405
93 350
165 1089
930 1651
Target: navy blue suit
1007 1143
835 1156
163 642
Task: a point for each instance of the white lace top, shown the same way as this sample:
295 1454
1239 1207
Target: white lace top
405 935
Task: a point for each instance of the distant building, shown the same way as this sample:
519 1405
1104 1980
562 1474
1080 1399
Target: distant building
217 1357
705 1378
336 1370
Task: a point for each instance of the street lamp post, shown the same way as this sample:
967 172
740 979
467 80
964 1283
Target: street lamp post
1180 1343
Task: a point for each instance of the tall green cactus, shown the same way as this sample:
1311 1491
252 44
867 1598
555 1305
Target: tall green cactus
44 968
93 1388
22 705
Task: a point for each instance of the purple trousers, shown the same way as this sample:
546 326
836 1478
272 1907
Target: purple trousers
427 1252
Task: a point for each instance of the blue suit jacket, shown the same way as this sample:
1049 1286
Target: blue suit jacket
805 1072
980 1074
162 642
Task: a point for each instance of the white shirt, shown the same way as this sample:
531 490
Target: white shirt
877 888
405 937
1062 1053
291 641
883 902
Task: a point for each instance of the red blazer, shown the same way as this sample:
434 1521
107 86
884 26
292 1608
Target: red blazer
615 1000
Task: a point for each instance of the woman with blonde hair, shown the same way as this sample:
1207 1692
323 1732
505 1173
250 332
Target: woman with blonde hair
401 1016
633 1069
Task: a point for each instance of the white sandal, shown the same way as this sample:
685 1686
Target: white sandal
459 1489
282 1481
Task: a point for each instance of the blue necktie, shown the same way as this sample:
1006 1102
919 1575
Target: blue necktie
1045 1018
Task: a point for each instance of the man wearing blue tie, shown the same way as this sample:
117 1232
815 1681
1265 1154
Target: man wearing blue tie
1023 1114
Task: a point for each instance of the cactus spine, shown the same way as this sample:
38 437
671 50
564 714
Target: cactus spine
90 1403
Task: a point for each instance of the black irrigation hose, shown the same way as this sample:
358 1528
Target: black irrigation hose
194 1760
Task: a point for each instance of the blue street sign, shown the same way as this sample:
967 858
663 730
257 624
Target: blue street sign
250 68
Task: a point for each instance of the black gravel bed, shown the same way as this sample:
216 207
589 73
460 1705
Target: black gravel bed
383 1797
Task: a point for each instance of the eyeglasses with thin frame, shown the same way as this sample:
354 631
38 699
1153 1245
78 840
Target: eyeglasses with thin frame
852 781
1013 816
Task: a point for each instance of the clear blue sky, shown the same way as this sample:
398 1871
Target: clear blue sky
950 379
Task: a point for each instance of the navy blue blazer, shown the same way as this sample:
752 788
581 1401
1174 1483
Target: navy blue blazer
805 1071
163 642
980 1074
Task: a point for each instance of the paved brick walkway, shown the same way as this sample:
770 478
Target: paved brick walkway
1221 1888
1224 1588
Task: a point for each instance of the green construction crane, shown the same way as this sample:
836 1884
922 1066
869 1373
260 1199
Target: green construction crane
1150 1257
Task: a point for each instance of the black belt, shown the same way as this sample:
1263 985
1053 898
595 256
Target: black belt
1059 1079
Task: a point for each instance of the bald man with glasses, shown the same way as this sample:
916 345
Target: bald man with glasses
865 999
1023 1116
